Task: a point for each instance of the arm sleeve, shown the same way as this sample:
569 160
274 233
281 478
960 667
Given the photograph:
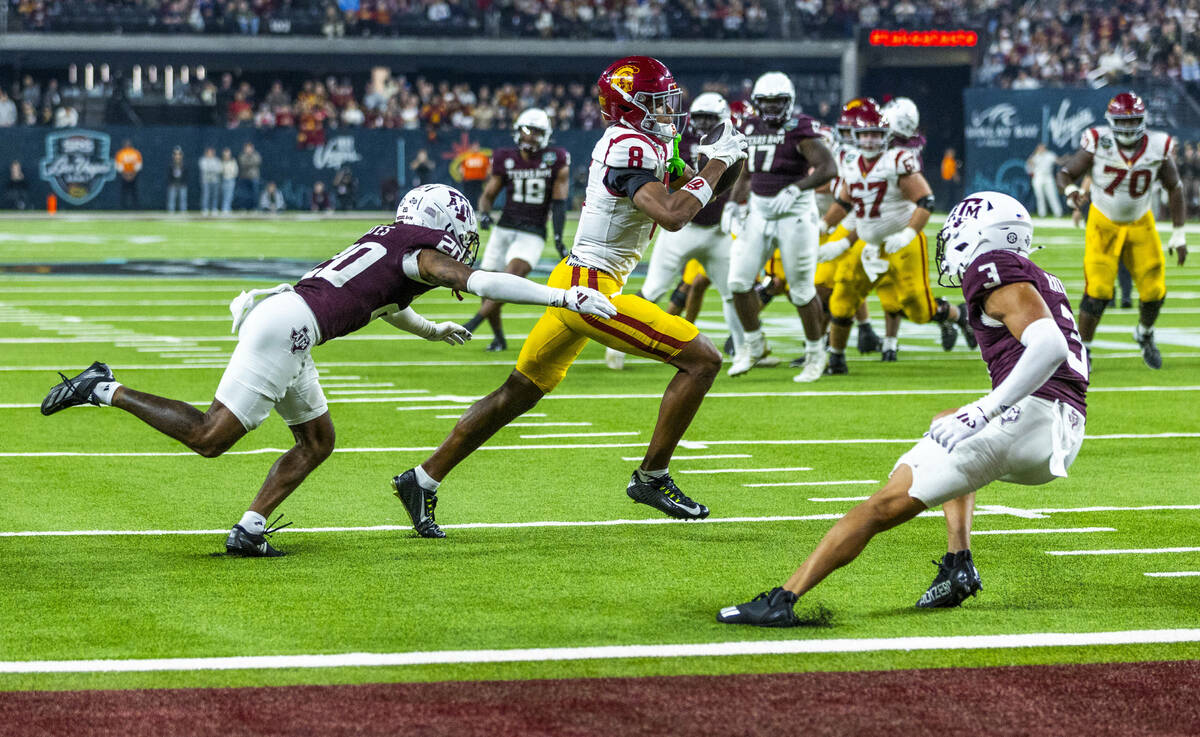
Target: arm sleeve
510 288
628 181
410 322
1045 350
1087 141
558 215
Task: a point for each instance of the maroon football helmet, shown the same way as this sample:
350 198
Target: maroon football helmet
843 123
1126 116
641 93
739 111
869 129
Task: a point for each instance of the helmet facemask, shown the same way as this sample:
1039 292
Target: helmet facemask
702 123
662 118
1127 130
870 142
774 109
530 140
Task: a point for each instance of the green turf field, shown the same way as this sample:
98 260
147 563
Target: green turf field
494 586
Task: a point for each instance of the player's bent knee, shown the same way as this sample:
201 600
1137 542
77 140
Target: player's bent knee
740 286
802 294
1092 306
700 358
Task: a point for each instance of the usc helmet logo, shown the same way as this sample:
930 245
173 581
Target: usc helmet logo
623 77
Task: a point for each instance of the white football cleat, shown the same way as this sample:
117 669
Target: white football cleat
614 359
814 367
754 353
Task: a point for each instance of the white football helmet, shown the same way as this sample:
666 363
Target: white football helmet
981 222
440 207
533 121
773 96
707 110
902 113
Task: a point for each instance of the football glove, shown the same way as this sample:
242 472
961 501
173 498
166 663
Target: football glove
1177 246
832 249
952 429
733 216
585 301
676 165
560 246
450 332
897 241
783 201
826 228
872 263
729 148
485 221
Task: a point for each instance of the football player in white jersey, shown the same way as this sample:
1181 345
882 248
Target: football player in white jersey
702 238
787 161
1124 160
629 196
891 202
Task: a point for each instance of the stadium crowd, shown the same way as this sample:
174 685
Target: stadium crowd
1072 42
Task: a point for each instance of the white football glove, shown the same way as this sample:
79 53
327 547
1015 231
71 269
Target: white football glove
826 228
872 263
730 147
1177 246
952 429
733 216
451 332
897 241
783 201
830 250
585 301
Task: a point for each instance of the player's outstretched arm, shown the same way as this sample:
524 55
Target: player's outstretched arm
558 208
673 210
1169 174
438 268
490 189
1023 311
410 322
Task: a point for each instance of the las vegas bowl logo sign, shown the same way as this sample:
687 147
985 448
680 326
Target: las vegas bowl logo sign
77 164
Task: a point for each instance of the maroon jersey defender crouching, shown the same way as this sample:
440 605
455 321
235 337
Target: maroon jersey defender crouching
432 243
1028 430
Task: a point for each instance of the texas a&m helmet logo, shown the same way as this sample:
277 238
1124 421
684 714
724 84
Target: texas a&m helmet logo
77 164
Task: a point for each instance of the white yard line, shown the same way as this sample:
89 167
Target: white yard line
546 424
749 470
1173 574
455 417
842 498
579 435
1044 531
1127 551
611 652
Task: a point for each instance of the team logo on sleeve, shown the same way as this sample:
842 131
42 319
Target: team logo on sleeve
77 164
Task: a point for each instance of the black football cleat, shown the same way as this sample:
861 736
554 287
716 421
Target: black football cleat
949 334
797 362
956 580
965 326
888 356
418 502
662 494
1126 302
248 545
78 390
837 364
728 347
769 609
868 339
498 344
1150 353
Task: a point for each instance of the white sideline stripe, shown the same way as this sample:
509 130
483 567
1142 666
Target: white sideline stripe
611 652
749 470
1128 551
1044 531
1172 574
543 424
578 435
455 417
380 391
715 456
817 483
688 444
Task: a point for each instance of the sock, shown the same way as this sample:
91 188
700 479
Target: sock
865 325
836 351
754 337
1141 331
253 522
425 481
649 475
104 391
891 343
812 346
474 322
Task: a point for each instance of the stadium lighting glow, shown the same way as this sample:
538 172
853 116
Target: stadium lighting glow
922 39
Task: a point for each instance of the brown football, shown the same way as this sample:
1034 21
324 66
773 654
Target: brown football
725 183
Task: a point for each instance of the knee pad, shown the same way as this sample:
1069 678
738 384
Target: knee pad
802 294
1092 306
679 296
845 322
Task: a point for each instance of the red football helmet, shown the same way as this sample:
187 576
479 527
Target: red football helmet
739 112
1126 116
641 93
843 123
869 129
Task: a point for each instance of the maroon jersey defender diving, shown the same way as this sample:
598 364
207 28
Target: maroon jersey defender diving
528 185
432 243
1027 430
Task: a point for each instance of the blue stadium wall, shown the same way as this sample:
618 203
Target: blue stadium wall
76 164
1002 127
